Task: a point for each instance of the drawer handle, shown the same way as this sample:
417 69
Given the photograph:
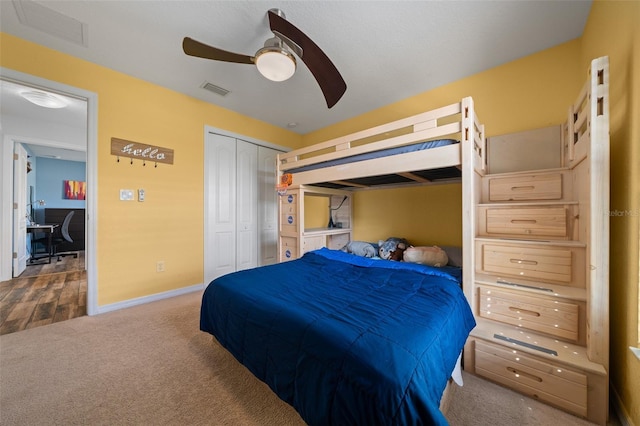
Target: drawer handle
519 373
523 261
527 221
524 311
523 188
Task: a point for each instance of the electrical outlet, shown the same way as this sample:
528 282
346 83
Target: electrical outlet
160 266
140 194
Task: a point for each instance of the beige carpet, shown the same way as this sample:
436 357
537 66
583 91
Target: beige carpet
151 365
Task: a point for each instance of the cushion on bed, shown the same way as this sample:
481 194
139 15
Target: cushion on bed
426 255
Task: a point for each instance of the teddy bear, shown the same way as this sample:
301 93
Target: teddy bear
432 256
392 248
360 248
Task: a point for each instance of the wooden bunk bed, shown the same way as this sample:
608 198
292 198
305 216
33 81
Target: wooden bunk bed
573 364
443 145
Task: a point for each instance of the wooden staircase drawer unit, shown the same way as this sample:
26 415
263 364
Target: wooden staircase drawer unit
526 222
544 315
534 377
556 264
526 188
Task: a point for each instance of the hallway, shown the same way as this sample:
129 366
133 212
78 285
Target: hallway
44 294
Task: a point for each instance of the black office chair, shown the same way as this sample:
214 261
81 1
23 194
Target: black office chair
60 237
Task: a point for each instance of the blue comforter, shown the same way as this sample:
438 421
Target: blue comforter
343 339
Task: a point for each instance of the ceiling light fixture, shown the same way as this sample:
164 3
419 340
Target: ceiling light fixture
44 99
274 61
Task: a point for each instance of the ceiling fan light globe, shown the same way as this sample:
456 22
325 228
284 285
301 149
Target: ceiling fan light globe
275 63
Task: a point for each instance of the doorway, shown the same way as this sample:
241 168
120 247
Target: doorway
47 140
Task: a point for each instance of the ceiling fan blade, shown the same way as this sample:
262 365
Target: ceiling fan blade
326 74
194 48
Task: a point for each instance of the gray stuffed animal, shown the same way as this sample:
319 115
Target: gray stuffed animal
392 248
360 248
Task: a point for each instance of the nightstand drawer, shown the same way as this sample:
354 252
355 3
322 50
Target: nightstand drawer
546 315
526 188
526 222
534 377
533 262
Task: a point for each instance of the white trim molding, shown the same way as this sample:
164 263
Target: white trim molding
148 299
6 182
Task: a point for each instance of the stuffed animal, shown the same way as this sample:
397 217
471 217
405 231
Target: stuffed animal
360 248
432 256
392 248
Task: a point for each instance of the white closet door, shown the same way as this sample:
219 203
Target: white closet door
247 205
220 206
267 207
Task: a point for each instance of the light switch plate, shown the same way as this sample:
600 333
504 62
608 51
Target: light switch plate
140 194
126 195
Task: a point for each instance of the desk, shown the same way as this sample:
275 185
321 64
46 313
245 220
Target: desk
48 229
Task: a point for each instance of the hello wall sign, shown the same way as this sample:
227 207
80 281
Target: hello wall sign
141 151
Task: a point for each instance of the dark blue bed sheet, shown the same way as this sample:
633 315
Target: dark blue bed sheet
343 339
420 146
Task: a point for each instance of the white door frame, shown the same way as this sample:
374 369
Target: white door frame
6 182
19 210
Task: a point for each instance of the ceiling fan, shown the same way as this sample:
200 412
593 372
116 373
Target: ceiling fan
276 61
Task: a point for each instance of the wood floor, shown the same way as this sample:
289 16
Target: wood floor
44 294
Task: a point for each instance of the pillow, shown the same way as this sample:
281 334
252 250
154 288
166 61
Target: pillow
454 254
432 256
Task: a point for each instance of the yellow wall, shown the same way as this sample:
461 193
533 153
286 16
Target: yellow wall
168 226
528 93
612 30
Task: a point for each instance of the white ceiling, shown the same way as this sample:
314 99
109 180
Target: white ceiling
385 50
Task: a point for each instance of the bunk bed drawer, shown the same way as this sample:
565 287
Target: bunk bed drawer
288 248
313 242
533 262
289 203
289 223
526 188
534 377
545 315
526 222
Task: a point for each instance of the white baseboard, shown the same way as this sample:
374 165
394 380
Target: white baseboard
147 299
618 407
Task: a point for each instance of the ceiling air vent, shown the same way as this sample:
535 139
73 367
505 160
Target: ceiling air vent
51 22
215 89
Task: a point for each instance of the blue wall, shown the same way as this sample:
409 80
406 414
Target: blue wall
50 174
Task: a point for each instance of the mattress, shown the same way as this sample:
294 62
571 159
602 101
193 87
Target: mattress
421 146
345 339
